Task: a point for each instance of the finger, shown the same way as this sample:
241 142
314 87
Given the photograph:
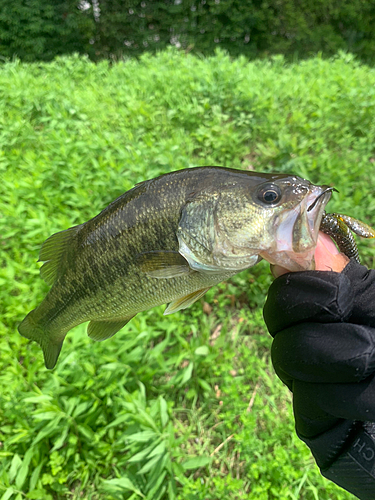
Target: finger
325 353
327 257
316 405
363 288
278 270
313 296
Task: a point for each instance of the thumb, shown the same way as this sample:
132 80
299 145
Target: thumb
327 257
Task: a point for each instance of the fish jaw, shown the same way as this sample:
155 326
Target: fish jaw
296 233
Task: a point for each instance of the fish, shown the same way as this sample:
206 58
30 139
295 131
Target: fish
169 240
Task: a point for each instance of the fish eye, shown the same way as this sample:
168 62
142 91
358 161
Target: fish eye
270 194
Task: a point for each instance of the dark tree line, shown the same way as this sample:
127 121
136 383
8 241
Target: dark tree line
41 29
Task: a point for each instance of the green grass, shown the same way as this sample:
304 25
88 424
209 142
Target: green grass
185 407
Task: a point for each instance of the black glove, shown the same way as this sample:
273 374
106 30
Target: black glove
324 351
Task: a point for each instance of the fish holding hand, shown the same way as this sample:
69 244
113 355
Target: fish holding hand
170 239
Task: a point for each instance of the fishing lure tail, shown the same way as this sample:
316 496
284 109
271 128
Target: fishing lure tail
339 227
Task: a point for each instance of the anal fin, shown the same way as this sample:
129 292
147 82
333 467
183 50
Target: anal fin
185 302
102 330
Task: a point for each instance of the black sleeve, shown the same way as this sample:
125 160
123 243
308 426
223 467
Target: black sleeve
323 324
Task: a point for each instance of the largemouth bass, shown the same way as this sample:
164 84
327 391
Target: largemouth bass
168 240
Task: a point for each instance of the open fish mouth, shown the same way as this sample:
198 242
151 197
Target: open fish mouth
315 204
296 231
306 226
327 190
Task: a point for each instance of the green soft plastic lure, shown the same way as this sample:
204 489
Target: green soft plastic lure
340 228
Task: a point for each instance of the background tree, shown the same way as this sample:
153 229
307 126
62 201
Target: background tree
42 29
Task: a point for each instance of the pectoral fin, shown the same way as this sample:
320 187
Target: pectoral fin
102 330
163 264
185 302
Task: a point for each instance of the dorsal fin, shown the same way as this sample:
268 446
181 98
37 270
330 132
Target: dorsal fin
52 251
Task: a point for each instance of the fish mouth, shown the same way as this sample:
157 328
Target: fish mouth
306 226
315 204
297 231
326 190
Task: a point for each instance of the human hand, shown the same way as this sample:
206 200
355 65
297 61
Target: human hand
323 324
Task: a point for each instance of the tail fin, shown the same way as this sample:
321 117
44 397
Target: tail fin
30 329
